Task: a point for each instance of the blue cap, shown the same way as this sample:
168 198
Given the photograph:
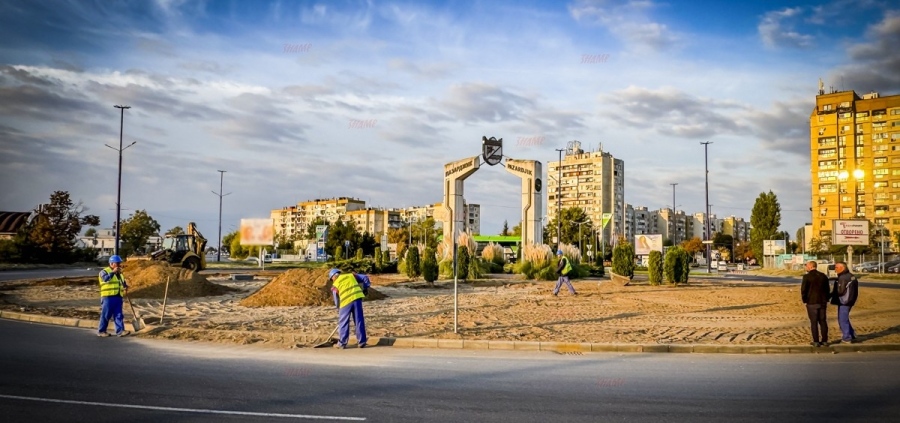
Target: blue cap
115 259
333 272
559 252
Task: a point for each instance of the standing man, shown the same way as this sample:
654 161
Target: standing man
814 293
563 268
112 287
843 295
348 290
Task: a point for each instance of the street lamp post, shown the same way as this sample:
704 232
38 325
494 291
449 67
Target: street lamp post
674 222
708 233
221 182
119 186
559 198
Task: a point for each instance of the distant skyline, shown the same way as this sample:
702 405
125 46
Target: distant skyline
299 100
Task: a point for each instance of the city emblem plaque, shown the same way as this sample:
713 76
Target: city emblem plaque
492 150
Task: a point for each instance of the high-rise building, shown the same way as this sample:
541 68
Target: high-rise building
293 221
855 160
593 181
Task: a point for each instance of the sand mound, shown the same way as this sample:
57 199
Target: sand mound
147 279
299 287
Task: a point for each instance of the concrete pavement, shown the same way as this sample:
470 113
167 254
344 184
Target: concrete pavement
559 347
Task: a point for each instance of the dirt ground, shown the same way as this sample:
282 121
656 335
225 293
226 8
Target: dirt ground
703 312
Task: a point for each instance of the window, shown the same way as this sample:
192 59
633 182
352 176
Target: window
859 127
895 184
847 210
879 137
880 196
862 115
860 152
894 112
827 164
828 107
827 152
880 147
880 171
881 112
881 161
845 128
879 126
827 188
847 115
826 141
830 175
881 184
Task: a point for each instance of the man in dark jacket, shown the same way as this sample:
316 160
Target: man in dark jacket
843 295
814 293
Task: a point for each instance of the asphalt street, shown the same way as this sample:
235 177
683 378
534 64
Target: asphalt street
56 374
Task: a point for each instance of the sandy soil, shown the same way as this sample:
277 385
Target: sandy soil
704 312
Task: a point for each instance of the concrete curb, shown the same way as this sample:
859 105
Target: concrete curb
558 347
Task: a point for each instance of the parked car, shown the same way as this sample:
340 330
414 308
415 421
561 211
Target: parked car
876 268
868 266
103 260
892 267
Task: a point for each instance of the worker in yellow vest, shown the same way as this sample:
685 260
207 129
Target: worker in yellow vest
348 290
112 288
563 268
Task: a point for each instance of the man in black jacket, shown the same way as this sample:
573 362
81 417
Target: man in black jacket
814 293
843 295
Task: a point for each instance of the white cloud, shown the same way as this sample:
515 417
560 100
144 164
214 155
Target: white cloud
629 21
777 30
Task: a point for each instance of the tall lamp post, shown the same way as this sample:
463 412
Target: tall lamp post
559 198
579 236
708 233
221 182
119 186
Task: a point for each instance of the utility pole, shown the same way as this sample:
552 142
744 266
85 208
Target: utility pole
221 181
119 186
708 233
559 199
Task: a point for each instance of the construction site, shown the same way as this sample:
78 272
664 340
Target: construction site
293 308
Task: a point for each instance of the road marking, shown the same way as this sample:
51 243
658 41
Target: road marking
185 410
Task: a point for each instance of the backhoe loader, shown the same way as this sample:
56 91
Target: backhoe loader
186 249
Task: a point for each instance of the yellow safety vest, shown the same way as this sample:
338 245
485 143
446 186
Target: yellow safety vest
113 287
568 267
348 289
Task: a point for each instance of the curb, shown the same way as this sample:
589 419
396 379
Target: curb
554 346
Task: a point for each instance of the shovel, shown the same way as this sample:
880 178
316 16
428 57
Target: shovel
137 322
327 342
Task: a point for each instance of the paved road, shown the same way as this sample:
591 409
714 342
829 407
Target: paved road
54 374
12 275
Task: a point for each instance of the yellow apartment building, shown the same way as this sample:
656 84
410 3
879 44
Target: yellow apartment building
855 160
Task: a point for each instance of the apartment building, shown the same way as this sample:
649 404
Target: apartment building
293 220
855 160
593 181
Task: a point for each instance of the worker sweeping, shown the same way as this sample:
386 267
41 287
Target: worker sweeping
112 287
348 290
563 268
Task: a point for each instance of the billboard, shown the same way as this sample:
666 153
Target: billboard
321 239
257 232
774 247
850 232
644 244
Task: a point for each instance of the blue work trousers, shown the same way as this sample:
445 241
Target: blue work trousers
563 280
354 309
111 308
847 332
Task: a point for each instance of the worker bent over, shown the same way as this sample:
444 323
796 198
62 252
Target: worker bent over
112 287
348 290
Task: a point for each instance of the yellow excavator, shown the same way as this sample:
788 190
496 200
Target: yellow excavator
187 249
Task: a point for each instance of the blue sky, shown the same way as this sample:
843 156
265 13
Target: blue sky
269 91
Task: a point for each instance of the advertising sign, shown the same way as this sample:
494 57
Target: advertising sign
850 232
773 247
644 244
321 238
257 232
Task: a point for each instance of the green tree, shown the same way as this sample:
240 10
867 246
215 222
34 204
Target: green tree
462 262
505 230
359 253
237 250
413 267
429 266
227 240
338 253
136 231
178 230
676 266
51 235
655 268
623 259
91 232
572 219
379 259
517 231
764 221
